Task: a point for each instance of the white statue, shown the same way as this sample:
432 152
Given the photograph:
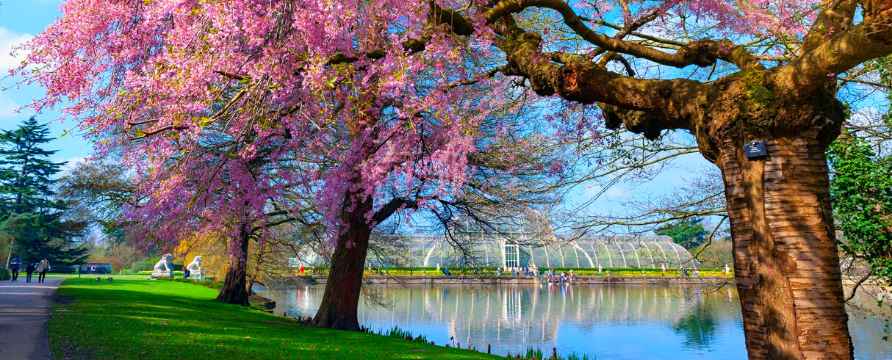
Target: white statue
195 268
163 268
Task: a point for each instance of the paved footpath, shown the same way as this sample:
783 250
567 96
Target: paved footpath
24 312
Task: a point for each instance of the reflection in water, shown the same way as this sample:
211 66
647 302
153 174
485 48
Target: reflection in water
609 321
698 328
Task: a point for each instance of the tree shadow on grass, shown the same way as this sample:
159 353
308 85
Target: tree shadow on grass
113 322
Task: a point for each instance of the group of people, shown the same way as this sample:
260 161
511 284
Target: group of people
693 271
375 270
531 270
15 263
313 269
564 277
549 276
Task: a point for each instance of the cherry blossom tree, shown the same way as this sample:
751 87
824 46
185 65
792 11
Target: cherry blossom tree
284 115
365 84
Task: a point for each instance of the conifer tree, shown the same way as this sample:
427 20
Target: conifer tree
688 233
32 220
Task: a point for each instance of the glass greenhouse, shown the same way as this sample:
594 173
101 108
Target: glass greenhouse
524 240
636 252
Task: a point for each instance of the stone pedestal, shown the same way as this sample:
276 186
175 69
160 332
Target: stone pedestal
196 275
160 274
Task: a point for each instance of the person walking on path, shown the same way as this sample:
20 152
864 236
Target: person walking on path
28 271
42 267
14 264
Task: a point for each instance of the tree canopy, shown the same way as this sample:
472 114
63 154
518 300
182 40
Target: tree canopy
688 233
291 84
26 173
32 219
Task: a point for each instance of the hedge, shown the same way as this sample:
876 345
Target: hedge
4 275
63 270
148 266
141 266
149 272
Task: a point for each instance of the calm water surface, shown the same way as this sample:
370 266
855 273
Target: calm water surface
612 322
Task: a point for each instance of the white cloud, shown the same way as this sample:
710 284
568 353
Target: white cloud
8 41
71 163
617 191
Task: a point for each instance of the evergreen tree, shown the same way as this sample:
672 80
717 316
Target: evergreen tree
689 233
32 220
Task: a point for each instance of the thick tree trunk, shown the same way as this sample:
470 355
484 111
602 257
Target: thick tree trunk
235 290
785 252
340 302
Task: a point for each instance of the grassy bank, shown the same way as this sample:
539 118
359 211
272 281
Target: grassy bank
142 319
103 276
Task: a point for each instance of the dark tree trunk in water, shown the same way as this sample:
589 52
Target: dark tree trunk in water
338 309
235 290
785 252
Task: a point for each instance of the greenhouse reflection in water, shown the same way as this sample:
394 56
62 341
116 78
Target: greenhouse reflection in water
615 322
572 319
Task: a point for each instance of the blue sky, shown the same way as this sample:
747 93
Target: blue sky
19 21
22 19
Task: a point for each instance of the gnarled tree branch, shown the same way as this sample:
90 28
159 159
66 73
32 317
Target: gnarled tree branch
702 52
393 206
673 101
841 52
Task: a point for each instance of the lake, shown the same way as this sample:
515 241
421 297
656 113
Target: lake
611 322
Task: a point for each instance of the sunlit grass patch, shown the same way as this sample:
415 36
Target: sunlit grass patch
143 319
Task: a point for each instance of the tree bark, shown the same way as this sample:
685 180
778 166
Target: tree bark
235 290
339 307
785 252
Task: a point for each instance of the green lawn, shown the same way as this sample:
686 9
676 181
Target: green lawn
141 319
104 276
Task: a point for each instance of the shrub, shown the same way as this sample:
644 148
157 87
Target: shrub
141 266
63 270
149 272
4 275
